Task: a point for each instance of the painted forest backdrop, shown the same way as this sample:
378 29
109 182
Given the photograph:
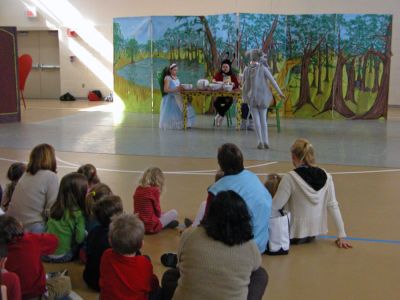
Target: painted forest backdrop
330 66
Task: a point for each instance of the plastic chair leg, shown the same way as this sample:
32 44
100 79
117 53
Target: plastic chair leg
23 98
278 120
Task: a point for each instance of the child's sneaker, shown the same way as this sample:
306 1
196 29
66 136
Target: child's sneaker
169 260
188 222
173 224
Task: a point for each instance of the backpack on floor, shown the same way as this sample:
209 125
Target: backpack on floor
279 235
67 97
95 96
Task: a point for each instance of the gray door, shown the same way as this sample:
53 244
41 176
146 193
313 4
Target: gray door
44 80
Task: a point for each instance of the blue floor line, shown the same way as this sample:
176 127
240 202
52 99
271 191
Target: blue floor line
361 239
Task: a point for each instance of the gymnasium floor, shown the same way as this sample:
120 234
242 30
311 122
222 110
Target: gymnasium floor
361 155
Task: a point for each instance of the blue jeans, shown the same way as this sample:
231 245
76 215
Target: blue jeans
38 227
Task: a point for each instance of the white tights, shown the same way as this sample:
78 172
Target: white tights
260 124
168 217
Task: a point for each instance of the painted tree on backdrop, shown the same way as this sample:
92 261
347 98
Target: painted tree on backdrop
261 31
382 50
347 46
304 43
132 47
118 42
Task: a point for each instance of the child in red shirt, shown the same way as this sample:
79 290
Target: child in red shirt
146 202
123 273
8 279
24 253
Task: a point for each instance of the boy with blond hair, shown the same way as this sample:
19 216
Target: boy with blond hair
123 273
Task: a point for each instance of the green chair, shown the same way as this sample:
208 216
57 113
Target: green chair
229 115
275 108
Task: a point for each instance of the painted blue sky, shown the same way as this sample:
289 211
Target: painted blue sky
137 27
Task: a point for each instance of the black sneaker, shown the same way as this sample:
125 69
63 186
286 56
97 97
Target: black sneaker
188 222
173 224
169 260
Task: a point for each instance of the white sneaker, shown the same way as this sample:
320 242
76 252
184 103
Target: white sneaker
218 120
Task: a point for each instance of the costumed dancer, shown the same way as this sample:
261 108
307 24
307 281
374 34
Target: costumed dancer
258 95
171 111
225 75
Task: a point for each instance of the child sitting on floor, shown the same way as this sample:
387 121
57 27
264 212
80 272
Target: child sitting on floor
95 193
24 252
146 202
67 220
90 172
9 280
14 173
123 273
97 240
272 182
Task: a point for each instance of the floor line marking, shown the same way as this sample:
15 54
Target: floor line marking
361 239
205 172
66 162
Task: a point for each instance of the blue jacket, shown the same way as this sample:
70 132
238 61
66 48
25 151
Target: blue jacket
257 198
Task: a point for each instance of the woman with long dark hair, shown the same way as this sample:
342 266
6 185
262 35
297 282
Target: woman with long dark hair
219 259
227 76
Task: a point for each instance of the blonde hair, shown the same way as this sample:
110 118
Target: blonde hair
272 183
152 177
303 150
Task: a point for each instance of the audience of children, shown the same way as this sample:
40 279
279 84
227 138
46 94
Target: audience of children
14 173
37 189
9 280
90 173
146 202
97 240
24 255
123 273
67 217
114 265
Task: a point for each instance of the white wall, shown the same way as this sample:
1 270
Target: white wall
93 22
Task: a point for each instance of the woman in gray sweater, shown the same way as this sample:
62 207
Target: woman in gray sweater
37 190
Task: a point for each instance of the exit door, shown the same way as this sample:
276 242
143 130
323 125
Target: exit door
44 80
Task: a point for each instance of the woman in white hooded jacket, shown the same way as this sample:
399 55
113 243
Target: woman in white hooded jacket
257 93
308 193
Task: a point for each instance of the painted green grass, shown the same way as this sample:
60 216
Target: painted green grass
136 98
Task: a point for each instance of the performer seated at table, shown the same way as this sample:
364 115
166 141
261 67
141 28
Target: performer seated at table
171 111
222 104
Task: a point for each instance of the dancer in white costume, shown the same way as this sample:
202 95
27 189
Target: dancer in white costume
257 93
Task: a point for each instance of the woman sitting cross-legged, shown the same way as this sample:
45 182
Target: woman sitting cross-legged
218 259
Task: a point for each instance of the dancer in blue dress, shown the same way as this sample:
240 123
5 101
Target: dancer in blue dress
171 111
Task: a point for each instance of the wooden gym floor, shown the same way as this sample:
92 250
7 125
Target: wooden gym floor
368 197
